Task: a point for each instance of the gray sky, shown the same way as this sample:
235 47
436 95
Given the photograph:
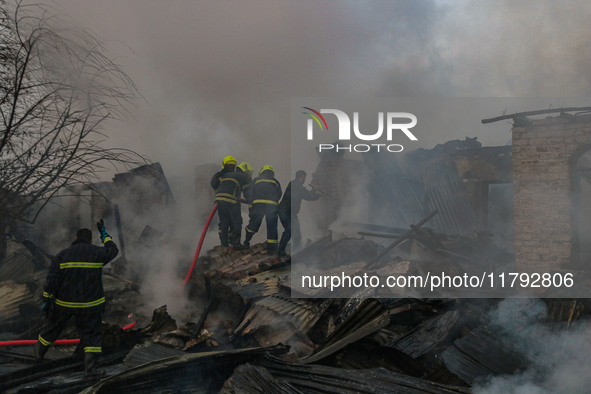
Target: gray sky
218 76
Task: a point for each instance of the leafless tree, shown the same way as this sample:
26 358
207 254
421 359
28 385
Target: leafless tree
57 88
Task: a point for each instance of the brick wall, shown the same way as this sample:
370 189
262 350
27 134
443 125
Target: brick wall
543 155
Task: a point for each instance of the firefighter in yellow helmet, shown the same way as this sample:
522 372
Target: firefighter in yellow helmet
228 161
264 194
228 185
246 168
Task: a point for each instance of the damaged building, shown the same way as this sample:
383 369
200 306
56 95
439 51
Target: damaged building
470 186
457 206
552 185
142 192
252 336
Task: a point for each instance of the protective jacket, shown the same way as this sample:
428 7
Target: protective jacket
248 178
228 185
75 280
263 196
264 189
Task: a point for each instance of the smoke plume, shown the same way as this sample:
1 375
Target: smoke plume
559 359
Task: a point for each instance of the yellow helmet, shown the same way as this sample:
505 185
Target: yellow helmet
266 167
229 160
247 168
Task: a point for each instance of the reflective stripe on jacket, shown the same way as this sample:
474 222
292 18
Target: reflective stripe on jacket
75 276
264 189
228 185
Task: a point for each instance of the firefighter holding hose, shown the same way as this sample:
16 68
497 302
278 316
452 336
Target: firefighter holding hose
74 287
228 184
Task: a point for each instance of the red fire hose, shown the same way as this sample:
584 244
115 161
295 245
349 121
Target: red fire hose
215 207
28 342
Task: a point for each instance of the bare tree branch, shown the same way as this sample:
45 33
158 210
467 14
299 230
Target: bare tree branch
57 89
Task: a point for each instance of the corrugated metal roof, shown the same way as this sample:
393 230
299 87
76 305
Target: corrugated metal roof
483 352
399 201
142 354
18 265
324 379
433 182
445 192
428 335
196 373
357 318
396 199
248 378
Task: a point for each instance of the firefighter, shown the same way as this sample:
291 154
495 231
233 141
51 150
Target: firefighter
246 168
264 195
288 210
74 287
228 185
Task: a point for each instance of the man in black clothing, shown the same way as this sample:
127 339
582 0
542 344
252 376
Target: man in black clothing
228 185
263 196
74 287
289 207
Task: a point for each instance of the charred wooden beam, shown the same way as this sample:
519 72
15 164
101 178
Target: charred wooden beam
414 227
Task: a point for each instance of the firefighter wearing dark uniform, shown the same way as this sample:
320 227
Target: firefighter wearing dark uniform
228 185
248 170
264 194
74 287
289 207
245 168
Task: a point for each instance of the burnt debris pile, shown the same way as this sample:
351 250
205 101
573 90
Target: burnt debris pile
248 320
246 333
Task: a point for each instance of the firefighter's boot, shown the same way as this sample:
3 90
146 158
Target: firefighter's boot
247 238
40 350
283 245
235 240
224 238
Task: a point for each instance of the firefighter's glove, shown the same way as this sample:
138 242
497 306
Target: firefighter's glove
47 306
102 231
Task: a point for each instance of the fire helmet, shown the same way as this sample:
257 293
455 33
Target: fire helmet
229 160
266 167
247 168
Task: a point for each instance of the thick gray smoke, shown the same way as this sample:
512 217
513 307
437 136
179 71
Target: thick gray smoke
218 76
559 359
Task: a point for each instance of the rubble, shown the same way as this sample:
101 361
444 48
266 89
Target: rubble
247 328
233 264
480 354
359 344
428 335
201 372
280 377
